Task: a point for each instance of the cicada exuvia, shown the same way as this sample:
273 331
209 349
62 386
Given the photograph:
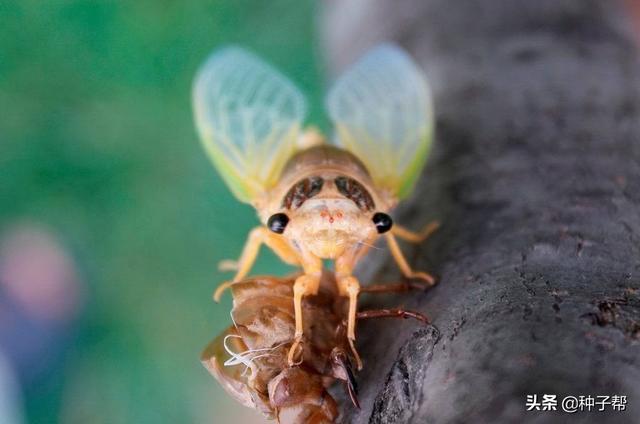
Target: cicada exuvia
249 358
317 200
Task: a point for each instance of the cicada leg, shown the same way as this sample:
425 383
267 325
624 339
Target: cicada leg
403 264
257 237
349 286
414 237
306 284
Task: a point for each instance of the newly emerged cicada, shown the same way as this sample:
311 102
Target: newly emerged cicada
317 200
249 359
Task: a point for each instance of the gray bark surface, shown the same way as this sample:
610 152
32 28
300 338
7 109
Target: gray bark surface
535 176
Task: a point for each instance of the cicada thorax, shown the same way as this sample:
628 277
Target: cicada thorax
252 363
307 171
325 201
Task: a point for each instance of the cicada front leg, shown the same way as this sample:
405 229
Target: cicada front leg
414 238
257 237
349 286
306 284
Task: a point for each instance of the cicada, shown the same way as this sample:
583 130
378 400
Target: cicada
249 359
317 200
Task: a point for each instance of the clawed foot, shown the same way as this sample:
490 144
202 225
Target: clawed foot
428 229
356 356
295 352
221 288
423 276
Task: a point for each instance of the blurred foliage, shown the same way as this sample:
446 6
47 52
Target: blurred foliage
97 142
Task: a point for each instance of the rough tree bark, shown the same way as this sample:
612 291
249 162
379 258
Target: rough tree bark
536 178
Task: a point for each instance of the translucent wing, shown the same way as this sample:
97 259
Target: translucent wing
382 111
248 116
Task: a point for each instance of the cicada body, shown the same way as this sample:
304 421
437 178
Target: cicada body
250 359
317 200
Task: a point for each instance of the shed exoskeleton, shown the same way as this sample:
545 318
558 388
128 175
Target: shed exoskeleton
250 360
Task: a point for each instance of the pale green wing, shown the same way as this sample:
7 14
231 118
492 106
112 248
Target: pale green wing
383 114
249 117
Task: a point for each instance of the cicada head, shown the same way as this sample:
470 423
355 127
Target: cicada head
326 202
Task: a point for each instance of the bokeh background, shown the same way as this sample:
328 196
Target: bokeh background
112 220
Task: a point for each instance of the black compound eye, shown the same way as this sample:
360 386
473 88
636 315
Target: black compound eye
277 222
382 221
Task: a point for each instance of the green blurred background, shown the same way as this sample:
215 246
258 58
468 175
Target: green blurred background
97 144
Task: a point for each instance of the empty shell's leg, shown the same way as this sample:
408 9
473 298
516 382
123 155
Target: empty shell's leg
403 264
414 237
257 237
305 284
392 313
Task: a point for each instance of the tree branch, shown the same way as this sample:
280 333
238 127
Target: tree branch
536 178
